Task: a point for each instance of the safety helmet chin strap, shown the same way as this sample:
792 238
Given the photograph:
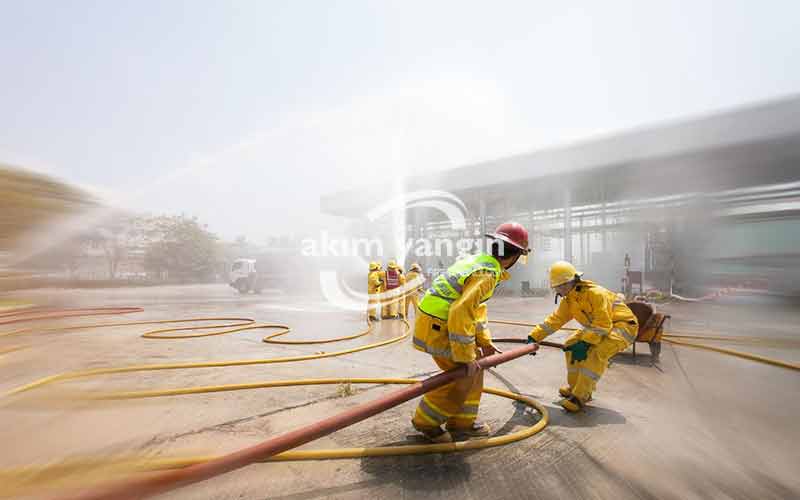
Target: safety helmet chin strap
575 280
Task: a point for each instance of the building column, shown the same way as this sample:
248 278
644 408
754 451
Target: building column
604 241
567 225
581 235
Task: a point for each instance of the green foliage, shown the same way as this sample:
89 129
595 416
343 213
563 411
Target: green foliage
180 247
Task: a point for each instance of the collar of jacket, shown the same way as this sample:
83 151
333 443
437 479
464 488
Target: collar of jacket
582 286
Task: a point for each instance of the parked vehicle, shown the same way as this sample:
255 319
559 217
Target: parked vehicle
245 277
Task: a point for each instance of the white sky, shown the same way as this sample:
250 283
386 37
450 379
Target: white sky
244 113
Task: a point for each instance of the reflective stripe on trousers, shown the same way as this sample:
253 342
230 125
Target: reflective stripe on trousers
436 416
457 402
585 371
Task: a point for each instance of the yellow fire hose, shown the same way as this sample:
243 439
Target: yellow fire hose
17 480
160 334
83 471
672 339
21 479
738 354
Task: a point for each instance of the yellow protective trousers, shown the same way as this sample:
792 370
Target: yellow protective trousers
455 404
412 299
372 306
374 288
392 306
582 376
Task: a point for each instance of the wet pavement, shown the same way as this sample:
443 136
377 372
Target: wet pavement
698 425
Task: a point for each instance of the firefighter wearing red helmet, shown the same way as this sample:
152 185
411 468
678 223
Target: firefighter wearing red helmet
515 235
452 327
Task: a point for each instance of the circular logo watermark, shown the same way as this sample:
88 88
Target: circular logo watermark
335 289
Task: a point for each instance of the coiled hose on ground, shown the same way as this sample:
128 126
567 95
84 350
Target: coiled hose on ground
21 479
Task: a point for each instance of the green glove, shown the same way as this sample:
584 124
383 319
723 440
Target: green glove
530 340
579 350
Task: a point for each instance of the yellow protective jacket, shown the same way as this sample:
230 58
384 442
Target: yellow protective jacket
410 277
375 281
602 313
399 299
467 317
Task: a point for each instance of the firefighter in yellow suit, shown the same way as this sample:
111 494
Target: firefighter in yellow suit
451 326
393 281
374 288
414 281
608 327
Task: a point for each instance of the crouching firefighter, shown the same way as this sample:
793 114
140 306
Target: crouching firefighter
452 327
608 327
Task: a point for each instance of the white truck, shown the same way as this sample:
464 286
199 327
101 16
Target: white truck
245 277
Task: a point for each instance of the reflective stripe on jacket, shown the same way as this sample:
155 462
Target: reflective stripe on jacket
449 286
464 328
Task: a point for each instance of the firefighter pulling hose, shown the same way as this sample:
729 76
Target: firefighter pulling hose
452 327
211 465
609 327
233 325
162 482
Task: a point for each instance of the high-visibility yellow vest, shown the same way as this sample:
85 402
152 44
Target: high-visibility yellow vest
447 287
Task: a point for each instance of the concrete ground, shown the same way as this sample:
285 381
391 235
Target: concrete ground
699 425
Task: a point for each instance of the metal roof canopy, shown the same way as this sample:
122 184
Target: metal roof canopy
751 146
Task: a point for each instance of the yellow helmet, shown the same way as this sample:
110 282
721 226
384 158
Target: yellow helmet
374 266
392 264
562 272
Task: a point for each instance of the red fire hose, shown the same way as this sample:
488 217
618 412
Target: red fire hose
162 482
37 313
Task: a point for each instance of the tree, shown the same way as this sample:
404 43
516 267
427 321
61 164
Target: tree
117 235
75 250
111 238
180 247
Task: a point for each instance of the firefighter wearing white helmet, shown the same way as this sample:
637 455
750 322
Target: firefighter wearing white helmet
608 327
452 327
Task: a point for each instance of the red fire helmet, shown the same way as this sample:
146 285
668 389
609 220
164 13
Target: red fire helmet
514 234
